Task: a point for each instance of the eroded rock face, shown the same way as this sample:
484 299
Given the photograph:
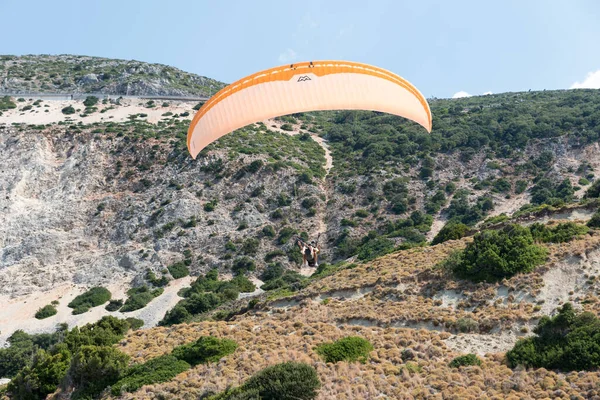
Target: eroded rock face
68 216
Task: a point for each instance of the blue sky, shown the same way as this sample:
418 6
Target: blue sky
443 47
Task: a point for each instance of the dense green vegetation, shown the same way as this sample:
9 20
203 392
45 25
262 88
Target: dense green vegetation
94 297
85 361
350 348
178 270
451 231
365 141
206 294
569 341
156 370
563 232
207 349
497 254
468 359
285 381
81 357
139 297
6 103
46 311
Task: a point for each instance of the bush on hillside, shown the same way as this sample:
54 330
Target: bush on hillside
495 255
285 381
93 368
350 348
90 101
114 305
140 297
569 341
43 376
178 270
92 298
68 110
205 350
451 231
594 222
6 103
469 359
563 232
156 370
46 311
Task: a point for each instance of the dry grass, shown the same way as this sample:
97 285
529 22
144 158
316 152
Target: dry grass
407 289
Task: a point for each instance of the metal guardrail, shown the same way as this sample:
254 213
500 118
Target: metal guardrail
82 96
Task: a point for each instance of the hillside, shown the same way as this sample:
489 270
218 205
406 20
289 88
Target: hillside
107 197
83 74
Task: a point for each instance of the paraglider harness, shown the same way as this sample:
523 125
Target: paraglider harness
309 252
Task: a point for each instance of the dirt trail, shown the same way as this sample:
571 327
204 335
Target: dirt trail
321 228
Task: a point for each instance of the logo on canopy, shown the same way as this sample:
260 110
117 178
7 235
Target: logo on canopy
303 78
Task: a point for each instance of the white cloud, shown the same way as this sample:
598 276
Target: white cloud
288 56
591 81
460 94
486 93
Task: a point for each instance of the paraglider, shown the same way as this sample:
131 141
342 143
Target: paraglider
304 87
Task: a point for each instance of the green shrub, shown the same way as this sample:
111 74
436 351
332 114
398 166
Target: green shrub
373 246
114 305
593 191
43 376
210 206
139 298
269 231
467 325
250 246
134 323
451 231
178 270
348 222
350 348
285 234
594 222
92 298
563 232
93 368
273 271
583 182
68 110
207 349
90 101
546 191
287 127
285 381
520 186
568 341
309 202
242 265
469 359
105 332
495 255
361 213
45 312
156 370
6 103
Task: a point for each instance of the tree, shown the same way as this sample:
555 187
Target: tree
95 367
495 255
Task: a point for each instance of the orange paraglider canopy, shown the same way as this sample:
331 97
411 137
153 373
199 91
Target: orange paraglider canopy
303 87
